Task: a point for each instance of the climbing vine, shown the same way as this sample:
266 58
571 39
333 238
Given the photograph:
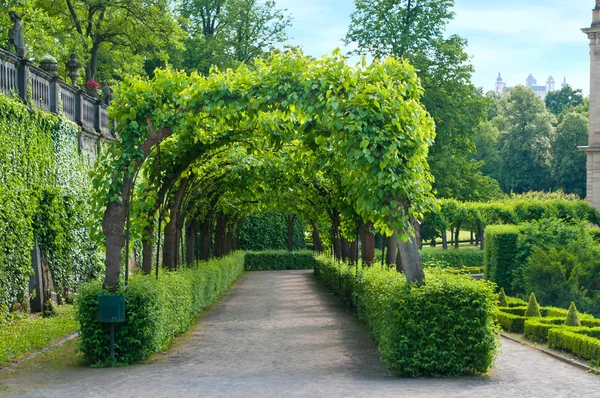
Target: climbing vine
44 195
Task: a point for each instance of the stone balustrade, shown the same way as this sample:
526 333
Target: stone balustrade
50 93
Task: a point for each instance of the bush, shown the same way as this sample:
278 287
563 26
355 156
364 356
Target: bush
572 316
578 343
442 328
502 302
454 257
533 308
279 260
156 310
500 254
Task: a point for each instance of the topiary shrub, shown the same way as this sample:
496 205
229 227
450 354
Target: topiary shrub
502 302
533 308
572 316
156 310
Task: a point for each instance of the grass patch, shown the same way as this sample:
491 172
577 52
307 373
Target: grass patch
21 335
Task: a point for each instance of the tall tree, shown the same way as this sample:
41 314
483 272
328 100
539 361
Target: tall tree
566 97
526 134
413 29
226 33
568 162
397 27
120 33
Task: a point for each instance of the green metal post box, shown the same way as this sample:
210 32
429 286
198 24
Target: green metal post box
111 309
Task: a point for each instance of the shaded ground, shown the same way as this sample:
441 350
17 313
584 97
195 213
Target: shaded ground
283 334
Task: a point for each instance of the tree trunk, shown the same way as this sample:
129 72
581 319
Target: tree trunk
147 251
290 219
410 259
457 237
444 239
205 234
392 249
353 251
345 249
367 239
220 232
317 242
171 243
113 222
112 226
335 235
190 242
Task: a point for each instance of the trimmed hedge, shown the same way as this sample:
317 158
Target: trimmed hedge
536 329
156 310
510 322
279 260
500 254
268 231
579 344
442 328
454 257
520 310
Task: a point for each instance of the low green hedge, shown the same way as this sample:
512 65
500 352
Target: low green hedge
454 257
510 322
536 329
578 343
271 260
442 328
156 310
520 310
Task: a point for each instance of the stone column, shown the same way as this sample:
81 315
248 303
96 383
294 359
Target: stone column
593 148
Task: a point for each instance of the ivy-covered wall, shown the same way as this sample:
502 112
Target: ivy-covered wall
44 195
268 231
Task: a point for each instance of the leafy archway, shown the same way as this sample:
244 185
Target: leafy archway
364 124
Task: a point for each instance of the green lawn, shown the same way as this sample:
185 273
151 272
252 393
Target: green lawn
21 335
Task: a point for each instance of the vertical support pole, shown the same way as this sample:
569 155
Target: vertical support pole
112 342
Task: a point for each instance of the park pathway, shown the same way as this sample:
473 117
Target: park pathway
282 334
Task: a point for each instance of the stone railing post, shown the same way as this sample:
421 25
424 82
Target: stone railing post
54 94
79 107
23 80
97 125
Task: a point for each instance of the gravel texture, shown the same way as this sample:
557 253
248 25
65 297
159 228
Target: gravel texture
282 334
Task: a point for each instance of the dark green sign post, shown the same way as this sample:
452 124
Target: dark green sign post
111 309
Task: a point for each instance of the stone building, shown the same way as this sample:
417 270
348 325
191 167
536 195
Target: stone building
531 82
593 148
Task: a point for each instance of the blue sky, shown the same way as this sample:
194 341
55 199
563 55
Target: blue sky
514 37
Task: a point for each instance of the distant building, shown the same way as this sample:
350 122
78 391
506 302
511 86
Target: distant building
531 82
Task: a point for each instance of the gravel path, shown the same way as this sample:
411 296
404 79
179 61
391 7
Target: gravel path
282 334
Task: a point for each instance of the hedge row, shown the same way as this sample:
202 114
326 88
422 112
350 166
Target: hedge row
269 231
156 310
454 257
575 341
500 254
279 260
475 216
442 328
